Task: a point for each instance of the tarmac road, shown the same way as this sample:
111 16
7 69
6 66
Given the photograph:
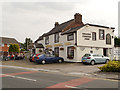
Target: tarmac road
15 78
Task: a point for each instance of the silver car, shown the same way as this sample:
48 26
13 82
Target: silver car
94 59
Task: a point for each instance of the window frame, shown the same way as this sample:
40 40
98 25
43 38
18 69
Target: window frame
94 38
101 33
71 34
47 39
55 51
68 56
56 38
107 39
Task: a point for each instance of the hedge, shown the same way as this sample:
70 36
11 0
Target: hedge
111 66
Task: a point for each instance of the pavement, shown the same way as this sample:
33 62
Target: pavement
19 78
73 69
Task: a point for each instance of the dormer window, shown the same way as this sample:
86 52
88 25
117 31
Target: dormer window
56 37
70 37
47 40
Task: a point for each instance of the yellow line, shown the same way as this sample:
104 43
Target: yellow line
104 79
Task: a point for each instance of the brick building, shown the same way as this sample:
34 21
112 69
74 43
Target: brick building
4 44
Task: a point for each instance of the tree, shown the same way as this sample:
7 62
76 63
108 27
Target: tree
28 41
14 48
117 41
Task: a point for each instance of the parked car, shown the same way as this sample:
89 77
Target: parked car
94 59
48 58
32 57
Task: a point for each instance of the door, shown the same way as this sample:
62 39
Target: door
105 51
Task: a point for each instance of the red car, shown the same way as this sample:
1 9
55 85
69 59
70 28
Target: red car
33 57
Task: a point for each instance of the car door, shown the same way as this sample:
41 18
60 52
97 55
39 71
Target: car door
48 58
96 58
101 59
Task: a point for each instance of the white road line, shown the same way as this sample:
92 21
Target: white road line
19 77
70 86
35 69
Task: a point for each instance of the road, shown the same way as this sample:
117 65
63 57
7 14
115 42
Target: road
21 78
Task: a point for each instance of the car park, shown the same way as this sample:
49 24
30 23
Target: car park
94 59
48 58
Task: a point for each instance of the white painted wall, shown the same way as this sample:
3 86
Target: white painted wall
97 43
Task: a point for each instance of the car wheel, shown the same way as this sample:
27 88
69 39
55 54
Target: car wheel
107 61
60 61
92 62
43 62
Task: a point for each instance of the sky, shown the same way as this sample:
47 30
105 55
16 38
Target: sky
32 19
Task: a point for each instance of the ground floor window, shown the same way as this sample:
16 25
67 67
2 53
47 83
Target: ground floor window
70 52
56 51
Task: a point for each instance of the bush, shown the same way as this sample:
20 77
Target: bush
111 66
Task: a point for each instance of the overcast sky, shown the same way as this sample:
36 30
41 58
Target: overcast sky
32 19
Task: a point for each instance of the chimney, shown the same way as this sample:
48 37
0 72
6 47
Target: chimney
56 24
78 18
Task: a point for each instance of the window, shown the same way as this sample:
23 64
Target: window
47 40
93 36
108 39
56 51
101 34
70 37
70 53
56 38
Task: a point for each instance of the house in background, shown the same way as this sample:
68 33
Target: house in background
4 45
72 39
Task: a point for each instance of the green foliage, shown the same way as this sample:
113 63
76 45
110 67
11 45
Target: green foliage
117 41
14 48
111 66
22 49
28 41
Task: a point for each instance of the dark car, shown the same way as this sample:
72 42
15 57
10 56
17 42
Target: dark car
48 58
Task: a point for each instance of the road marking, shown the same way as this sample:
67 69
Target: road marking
20 73
72 83
105 79
19 77
70 86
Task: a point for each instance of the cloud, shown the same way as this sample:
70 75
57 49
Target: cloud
32 19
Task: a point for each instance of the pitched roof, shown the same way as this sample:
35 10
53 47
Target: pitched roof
7 40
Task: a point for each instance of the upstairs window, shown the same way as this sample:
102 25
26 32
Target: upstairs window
101 34
70 37
47 40
108 39
93 36
56 38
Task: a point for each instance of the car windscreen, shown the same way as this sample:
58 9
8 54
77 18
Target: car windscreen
86 55
40 55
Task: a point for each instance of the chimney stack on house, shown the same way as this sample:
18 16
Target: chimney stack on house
56 24
78 18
